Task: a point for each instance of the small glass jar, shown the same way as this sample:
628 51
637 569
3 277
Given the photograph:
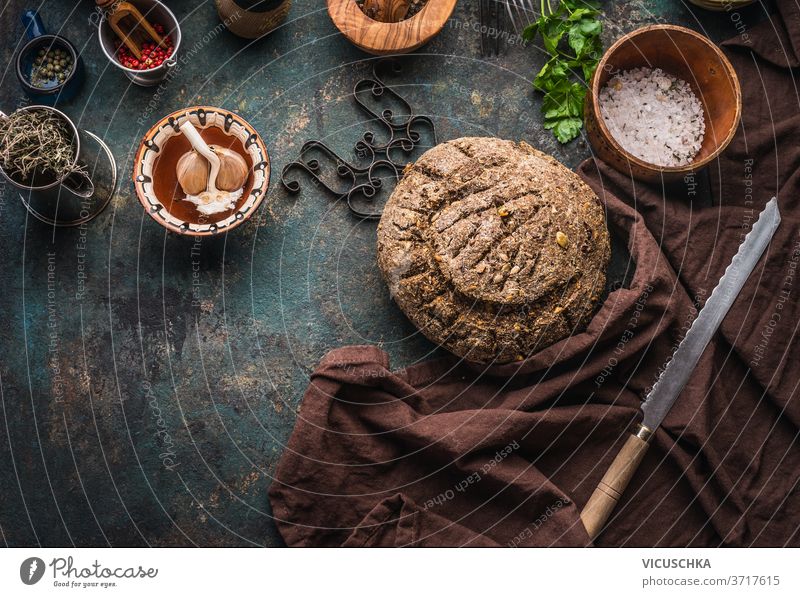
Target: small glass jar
252 18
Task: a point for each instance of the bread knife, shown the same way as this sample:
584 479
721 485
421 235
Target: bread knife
678 370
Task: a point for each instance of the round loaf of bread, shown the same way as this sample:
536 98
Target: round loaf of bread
494 250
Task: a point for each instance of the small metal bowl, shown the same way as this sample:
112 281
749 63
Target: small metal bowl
154 145
685 54
379 38
153 11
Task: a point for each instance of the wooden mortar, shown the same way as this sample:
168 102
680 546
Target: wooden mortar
390 38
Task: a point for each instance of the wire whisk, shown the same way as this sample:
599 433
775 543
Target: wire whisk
520 12
491 24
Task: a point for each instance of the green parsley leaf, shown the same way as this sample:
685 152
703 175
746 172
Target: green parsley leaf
553 71
565 129
570 34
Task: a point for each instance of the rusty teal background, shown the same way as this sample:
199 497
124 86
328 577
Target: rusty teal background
148 382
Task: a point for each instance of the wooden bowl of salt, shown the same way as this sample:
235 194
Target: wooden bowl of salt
377 37
684 54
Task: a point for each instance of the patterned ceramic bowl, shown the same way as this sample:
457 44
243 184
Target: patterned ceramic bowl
156 182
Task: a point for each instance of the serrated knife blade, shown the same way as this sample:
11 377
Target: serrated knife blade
679 369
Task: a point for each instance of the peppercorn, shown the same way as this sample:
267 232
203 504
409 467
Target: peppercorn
152 55
50 67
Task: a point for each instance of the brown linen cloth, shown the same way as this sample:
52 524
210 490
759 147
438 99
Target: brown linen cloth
448 454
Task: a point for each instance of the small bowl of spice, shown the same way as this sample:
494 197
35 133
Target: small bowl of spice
664 102
142 41
390 26
48 67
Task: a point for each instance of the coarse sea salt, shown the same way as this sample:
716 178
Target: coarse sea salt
653 115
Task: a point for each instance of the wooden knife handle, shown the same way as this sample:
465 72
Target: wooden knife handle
605 497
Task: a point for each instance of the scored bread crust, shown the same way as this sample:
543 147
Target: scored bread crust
494 250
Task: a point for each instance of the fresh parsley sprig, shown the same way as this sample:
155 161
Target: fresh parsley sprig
571 35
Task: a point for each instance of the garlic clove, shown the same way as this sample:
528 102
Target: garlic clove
192 173
232 174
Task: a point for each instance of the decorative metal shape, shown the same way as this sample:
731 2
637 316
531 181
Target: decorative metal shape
362 181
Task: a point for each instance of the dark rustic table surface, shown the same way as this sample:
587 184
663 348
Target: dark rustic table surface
148 382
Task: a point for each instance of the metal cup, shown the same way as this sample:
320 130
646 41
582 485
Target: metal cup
38 39
74 198
153 11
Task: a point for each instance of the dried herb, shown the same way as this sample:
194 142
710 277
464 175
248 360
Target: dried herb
571 35
36 143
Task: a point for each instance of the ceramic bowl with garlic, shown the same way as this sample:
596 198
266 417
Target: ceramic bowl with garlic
201 171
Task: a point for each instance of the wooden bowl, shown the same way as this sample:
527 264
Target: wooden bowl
162 146
389 38
721 5
684 54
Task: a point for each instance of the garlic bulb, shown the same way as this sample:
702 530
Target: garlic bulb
224 181
209 167
232 174
192 173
